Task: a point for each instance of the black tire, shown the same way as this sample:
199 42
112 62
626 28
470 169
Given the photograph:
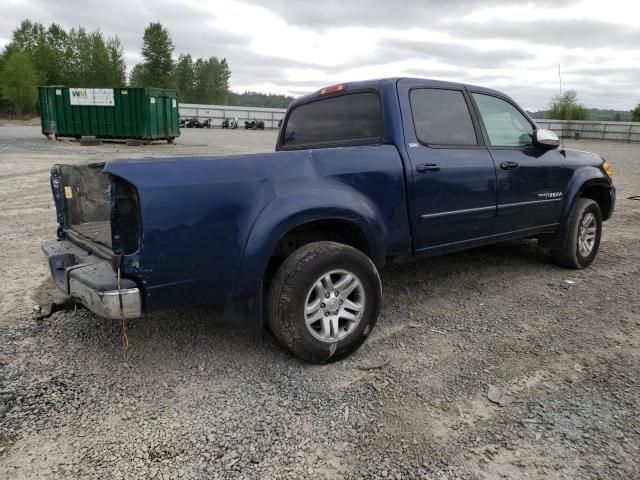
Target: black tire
570 256
288 295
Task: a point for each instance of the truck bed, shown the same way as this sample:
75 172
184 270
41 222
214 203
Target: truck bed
98 232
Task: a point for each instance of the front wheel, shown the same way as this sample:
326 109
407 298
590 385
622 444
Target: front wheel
583 237
324 301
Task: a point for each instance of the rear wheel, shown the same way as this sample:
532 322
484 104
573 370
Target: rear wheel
324 301
583 237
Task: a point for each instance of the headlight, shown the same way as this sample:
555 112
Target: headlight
608 170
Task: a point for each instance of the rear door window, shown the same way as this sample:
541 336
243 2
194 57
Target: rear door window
352 119
441 117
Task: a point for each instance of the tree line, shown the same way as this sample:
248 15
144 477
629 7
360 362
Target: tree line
200 80
256 99
40 55
567 107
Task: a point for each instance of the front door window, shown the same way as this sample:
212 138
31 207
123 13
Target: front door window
505 125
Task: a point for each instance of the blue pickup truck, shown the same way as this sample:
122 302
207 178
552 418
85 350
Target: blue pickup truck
364 173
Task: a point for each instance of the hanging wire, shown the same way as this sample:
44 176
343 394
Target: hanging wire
123 323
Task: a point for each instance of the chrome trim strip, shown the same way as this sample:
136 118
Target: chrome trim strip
457 212
509 205
124 291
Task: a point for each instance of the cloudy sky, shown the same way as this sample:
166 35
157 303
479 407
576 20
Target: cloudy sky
294 47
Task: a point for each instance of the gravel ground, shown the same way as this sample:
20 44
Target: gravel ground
484 364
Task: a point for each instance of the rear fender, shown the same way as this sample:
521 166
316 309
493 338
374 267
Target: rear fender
289 211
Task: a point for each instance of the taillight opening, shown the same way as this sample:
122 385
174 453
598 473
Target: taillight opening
125 218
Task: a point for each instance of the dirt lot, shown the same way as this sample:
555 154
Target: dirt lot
561 361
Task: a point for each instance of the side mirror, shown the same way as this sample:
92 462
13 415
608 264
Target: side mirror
545 139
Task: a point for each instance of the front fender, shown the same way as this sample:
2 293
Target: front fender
297 208
582 179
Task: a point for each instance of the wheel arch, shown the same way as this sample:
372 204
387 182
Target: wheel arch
327 214
599 192
589 183
343 230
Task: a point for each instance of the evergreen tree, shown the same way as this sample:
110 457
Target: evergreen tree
82 61
184 78
95 61
18 82
205 72
74 58
211 81
8 50
137 76
117 65
635 114
223 82
27 34
55 48
157 49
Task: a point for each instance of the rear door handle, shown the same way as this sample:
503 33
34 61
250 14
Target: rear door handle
508 165
427 167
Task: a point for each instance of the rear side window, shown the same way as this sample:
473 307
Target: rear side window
350 119
441 117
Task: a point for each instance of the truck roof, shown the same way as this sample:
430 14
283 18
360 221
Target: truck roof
377 83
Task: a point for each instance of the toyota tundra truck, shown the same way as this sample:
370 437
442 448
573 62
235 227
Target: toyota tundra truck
363 173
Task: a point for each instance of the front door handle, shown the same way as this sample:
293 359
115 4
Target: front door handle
508 165
427 167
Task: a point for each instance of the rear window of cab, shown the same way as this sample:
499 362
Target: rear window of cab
347 119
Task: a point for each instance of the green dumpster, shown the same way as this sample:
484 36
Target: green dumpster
112 113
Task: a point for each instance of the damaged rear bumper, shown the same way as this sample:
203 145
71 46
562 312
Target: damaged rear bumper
90 280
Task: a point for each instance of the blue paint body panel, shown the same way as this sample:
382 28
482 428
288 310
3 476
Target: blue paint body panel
209 225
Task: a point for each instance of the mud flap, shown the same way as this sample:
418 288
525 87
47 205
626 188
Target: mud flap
553 241
245 314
